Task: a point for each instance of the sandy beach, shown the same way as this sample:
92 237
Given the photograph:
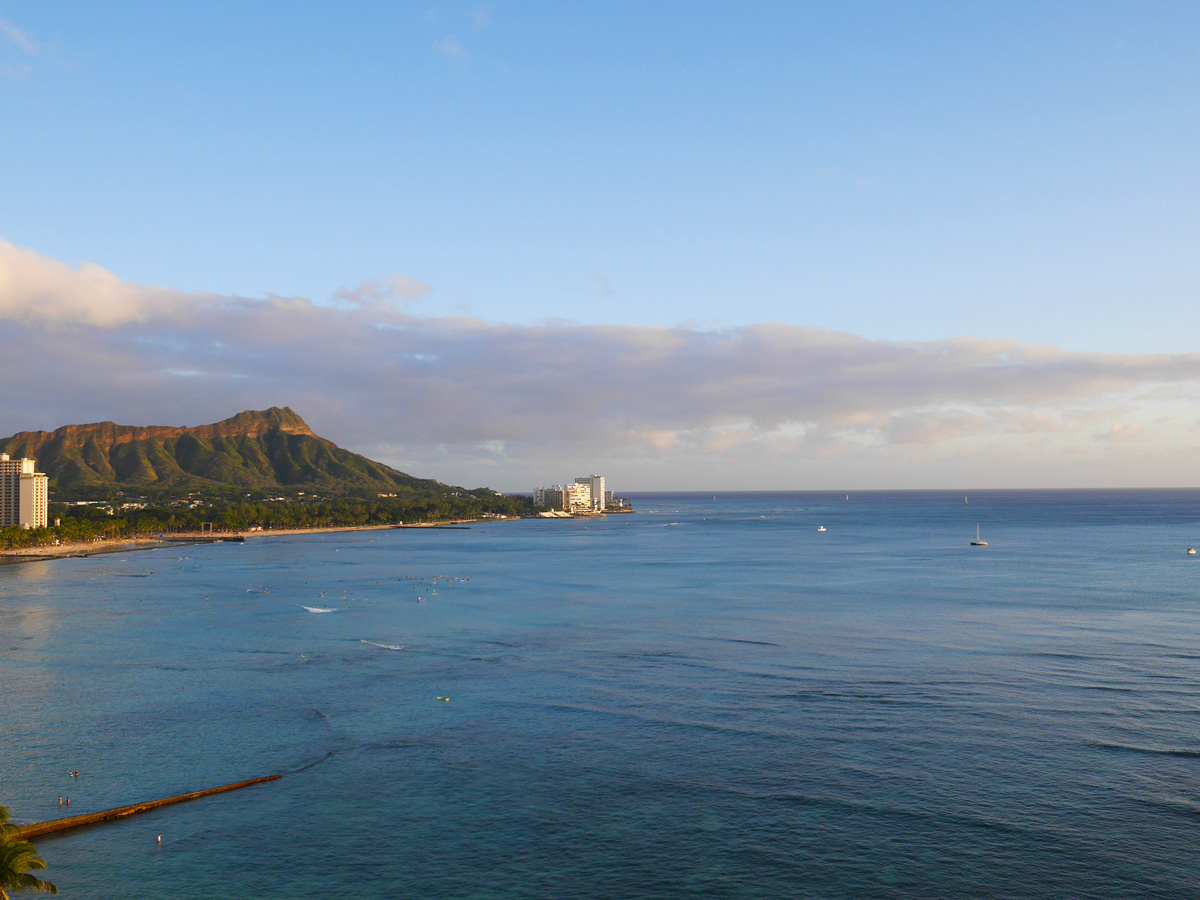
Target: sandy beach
78 548
125 545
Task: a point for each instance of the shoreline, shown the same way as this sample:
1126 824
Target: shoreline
183 538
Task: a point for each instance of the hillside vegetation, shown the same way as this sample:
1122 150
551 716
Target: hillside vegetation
267 451
259 469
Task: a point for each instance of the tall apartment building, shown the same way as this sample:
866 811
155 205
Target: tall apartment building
595 485
573 498
551 498
23 493
579 497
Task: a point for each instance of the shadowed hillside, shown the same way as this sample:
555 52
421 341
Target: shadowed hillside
268 450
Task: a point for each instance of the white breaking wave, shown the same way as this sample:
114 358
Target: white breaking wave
382 646
317 609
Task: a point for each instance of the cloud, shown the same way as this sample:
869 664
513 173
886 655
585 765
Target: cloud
454 394
19 38
449 47
1120 432
481 18
398 292
36 289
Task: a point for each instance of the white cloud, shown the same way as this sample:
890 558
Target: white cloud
1120 432
449 47
36 289
20 39
447 395
398 292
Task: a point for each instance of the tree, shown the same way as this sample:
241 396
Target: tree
17 858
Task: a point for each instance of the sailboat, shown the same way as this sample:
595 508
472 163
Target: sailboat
978 542
964 501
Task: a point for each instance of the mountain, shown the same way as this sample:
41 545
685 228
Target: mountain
266 450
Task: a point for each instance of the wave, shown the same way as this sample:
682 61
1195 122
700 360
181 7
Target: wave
381 646
318 609
734 640
1152 751
309 765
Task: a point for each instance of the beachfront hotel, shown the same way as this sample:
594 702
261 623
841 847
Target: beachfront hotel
586 495
23 493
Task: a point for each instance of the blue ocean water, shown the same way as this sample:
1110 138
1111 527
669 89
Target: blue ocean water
709 698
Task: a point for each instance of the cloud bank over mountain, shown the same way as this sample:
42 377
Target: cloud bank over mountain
472 401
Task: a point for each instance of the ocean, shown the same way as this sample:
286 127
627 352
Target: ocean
708 698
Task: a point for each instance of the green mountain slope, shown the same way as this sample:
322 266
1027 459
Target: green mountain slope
267 450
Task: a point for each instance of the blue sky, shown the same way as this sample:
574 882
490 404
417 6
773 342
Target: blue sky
894 172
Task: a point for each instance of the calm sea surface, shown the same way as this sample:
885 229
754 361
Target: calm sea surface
709 698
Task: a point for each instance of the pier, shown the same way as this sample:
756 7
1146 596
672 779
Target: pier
39 829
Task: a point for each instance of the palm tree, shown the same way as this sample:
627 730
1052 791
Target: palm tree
17 857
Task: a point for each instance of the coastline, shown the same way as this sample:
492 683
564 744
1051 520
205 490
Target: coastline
128 545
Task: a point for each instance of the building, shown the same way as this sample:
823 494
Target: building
550 498
586 495
23 493
596 495
579 497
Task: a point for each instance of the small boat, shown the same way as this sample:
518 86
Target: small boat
978 542
964 501
820 528
1191 551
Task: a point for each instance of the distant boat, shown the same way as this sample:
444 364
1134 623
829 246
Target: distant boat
820 528
964 501
978 542
847 496
1191 551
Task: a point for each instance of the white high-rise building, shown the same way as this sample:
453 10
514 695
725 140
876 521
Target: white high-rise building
23 493
579 497
596 484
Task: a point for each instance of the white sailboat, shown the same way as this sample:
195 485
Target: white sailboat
978 542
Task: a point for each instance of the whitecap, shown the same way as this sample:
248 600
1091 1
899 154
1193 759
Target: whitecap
317 609
381 646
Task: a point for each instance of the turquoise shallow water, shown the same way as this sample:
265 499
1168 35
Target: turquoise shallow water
708 698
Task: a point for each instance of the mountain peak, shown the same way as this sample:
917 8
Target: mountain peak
264 449
255 422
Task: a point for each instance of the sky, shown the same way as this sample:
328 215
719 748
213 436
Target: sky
685 245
